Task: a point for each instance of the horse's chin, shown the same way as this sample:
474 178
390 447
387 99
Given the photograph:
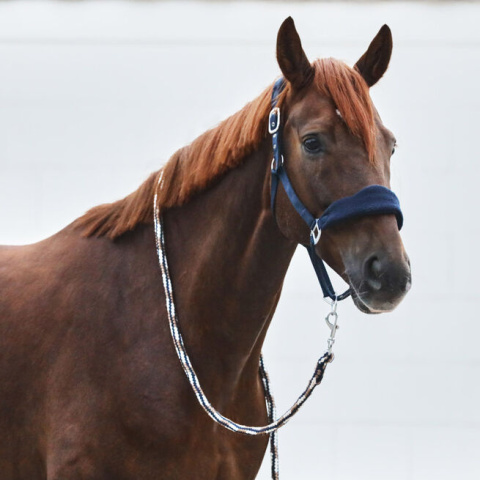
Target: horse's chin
365 308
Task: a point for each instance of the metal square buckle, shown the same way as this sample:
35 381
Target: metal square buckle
274 121
315 233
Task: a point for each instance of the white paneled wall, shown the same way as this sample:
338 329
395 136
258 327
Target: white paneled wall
96 95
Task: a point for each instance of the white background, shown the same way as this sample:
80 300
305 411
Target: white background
96 95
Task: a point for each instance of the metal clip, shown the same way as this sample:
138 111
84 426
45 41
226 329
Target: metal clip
331 321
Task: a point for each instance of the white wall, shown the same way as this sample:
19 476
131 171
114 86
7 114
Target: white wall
94 96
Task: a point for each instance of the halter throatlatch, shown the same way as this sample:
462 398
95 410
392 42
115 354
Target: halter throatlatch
371 200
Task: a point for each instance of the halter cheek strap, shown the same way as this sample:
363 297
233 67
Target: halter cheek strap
371 200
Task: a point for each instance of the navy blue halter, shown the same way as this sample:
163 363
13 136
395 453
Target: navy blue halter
371 200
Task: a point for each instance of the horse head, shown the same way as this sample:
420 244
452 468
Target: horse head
335 145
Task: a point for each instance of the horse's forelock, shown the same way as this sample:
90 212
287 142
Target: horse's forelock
350 94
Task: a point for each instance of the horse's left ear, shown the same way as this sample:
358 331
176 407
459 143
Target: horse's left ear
374 62
291 58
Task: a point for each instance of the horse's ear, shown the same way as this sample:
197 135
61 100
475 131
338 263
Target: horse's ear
374 62
291 58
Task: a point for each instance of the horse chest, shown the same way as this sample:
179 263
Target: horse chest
150 439
166 424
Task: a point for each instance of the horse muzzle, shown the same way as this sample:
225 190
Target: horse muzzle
380 283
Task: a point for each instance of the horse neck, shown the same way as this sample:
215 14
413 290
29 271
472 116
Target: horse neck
228 261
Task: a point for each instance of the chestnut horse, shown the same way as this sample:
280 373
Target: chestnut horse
91 387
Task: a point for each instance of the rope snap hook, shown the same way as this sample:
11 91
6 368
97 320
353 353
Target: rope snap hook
331 320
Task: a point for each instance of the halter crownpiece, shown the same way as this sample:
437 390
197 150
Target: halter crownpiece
371 200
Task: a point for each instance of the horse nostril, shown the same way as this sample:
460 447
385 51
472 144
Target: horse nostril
376 267
373 272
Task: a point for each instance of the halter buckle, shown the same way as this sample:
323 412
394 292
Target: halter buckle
274 166
315 233
274 121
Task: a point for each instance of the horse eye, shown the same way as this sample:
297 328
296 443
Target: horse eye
312 145
394 148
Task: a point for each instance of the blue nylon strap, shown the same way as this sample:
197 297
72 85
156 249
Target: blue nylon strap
371 200
278 88
322 274
302 210
276 132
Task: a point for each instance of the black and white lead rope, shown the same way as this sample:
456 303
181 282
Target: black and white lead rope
274 425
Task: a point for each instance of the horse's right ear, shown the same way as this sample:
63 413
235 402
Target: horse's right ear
291 58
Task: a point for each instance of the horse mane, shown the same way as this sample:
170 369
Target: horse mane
194 168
